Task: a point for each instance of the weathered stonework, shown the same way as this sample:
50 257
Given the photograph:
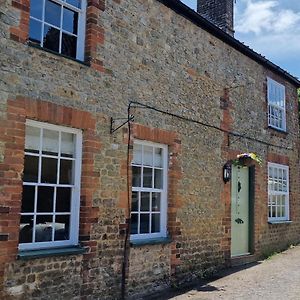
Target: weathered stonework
141 51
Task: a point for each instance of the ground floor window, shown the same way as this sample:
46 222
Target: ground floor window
51 186
278 192
149 190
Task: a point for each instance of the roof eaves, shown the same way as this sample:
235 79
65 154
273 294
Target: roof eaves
200 21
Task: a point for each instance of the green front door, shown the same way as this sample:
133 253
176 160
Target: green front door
240 211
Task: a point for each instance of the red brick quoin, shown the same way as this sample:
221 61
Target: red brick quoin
94 32
12 134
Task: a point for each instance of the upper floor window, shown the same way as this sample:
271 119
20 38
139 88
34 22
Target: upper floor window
51 185
59 26
276 105
278 191
149 190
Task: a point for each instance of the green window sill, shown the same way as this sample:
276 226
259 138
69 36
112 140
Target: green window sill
280 222
32 254
146 242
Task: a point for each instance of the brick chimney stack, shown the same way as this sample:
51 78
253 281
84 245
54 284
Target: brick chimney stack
219 12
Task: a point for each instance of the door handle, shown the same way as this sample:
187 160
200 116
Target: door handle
239 221
239 187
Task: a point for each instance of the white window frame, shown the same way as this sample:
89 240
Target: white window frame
163 191
75 194
81 26
272 193
271 105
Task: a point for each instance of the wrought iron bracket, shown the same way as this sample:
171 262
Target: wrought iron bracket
113 123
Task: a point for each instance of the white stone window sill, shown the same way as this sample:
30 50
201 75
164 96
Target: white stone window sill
280 222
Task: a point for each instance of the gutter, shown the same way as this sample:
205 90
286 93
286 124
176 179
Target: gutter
197 19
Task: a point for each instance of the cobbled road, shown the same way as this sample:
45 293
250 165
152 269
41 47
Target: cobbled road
277 278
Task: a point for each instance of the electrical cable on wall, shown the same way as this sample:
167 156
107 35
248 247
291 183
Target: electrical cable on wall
235 134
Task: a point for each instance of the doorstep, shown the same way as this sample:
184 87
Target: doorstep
243 260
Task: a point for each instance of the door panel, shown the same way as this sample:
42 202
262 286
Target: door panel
240 211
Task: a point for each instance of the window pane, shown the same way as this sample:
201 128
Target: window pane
155 225
36 9
66 171
26 225
43 228
135 201
35 31
52 13
49 170
158 179
137 154
156 201
45 199
31 166
148 156
67 144
283 211
69 45
70 20
136 176
158 157
147 177
32 139
144 223
63 200
76 3
51 38
62 228
145 201
50 142
28 199
134 223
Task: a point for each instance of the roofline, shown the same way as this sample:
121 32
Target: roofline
193 16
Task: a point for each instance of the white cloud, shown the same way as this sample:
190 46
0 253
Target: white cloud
266 16
271 27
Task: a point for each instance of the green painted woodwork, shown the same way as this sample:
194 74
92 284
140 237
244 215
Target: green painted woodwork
240 211
31 254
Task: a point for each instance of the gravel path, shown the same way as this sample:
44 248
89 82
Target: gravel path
277 278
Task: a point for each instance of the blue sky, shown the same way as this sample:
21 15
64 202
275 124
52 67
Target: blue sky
270 27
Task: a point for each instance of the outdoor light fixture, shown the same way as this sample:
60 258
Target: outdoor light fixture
227 172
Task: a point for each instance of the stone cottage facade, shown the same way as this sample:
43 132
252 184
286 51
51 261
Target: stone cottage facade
92 211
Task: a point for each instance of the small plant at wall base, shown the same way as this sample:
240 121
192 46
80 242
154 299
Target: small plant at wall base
247 159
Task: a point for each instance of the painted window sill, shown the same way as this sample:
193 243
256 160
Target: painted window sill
33 45
282 131
279 222
32 254
147 242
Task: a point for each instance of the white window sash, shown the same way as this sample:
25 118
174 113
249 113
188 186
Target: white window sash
273 102
75 191
163 191
279 193
81 26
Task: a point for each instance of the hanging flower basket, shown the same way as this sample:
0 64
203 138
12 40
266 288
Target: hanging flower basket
247 159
